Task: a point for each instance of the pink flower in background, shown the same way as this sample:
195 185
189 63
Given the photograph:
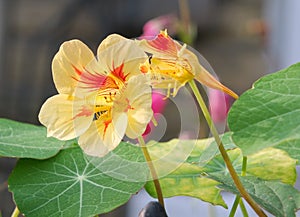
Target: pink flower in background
219 104
154 26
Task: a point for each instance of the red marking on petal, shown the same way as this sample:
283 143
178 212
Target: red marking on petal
84 112
128 106
118 72
109 83
106 124
164 43
93 81
78 72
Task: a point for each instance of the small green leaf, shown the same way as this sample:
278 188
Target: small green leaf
268 114
70 185
268 164
280 199
23 140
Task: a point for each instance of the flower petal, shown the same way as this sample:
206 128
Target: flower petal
161 46
135 100
116 50
103 136
69 63
65 117
205 78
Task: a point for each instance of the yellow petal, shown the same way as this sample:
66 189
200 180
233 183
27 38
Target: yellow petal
65 118
135 101
68 63
103 136
116 50
202 75
205 78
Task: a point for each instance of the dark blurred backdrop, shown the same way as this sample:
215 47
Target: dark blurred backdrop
231 35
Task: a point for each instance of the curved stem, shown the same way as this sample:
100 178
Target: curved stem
16 212
224 154
152 171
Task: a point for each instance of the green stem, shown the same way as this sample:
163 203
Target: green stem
16 212
152 171
243 208
238 200
234 206
244 170
223 152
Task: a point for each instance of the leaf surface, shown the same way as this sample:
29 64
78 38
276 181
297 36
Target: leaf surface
268 114
71 185
24 140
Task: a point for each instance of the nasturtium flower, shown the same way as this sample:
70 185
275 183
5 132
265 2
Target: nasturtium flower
100 99
171 65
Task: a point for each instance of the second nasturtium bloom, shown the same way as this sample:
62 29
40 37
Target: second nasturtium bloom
100 99
171 65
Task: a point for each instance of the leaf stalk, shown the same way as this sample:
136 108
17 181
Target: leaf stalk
223 152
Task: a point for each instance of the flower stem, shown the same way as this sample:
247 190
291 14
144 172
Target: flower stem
152 171
223 152
16 212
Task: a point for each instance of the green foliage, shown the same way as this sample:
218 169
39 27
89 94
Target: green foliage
69 185
23 140
280 199
55 178
201 180
268 114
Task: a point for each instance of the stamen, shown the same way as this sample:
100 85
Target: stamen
181 50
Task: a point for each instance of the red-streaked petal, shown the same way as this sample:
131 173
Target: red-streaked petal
161 46
164 43
135 101
103 136
68 64
65 118
115 50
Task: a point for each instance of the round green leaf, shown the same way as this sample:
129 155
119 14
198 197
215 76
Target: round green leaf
69 185
268 114
23 140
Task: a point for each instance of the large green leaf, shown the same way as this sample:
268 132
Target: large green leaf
268 114
194 176
70 185
280 199
23 140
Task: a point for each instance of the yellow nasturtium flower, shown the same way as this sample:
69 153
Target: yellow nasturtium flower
171 65
100 99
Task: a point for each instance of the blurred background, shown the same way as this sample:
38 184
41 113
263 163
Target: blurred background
242 40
